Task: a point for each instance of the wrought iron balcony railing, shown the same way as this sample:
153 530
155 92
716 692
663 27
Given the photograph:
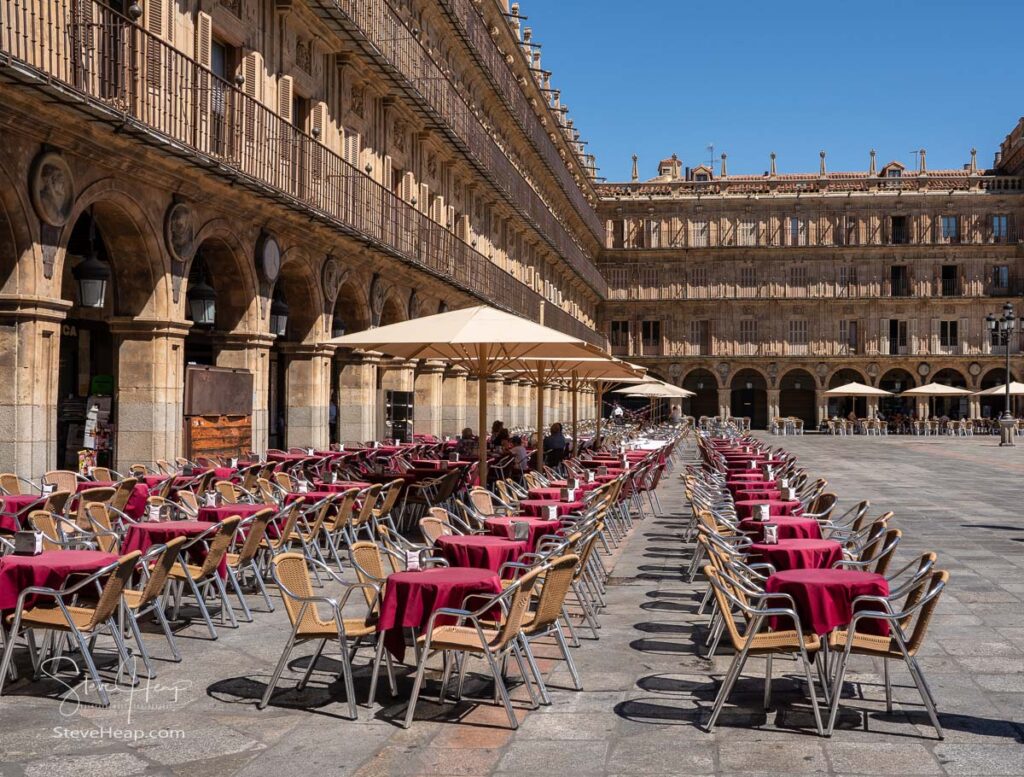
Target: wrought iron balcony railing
380 33
94 59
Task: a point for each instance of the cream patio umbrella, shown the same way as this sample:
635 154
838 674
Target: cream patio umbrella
856 389
544 372
655 390
481 339
932 390
1016 390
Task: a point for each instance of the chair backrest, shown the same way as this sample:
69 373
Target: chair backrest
159 569
124 492
106 539
369 566
433 527
43 521
9 483
519 606
56 501
482 501
343 510
103 494
255 531
366 509
390 493
63 479
887 550
554 588
110 597
219 545
291 573
291 516
823 505
227 491
285 480
927 591
104 473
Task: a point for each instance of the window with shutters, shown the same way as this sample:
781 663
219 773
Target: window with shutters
849 230
748 337
650 337
252 74
898 337
847 336
351 147
949 336
746 233
700 338
1000 278
798 277
155 12
649 282
618 282
797 231
699 234
748 280
950 226
1000 227
798 336
698 281
847 286
618 336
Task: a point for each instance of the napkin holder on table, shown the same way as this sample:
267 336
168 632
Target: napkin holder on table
412 561
48 488
567 495
28 543
789 493
590 476
771 534
153 513
520 530
573 483
762 512
783 484
602 471
550 512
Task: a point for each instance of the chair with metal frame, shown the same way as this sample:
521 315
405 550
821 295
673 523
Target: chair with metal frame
291 574
154 568
200 577
253 531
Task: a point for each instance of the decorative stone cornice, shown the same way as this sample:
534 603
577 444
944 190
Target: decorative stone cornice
149 327
33 307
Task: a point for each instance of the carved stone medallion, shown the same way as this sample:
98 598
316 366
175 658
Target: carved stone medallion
51 188
180 232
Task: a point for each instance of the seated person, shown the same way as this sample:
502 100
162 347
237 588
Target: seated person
555 446
467 446
518 450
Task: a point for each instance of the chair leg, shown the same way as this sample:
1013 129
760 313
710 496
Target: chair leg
378 655
768 682
225 606
417 685
158 611
926 695
534 671
812 692
133 623
573 672
91 667
312 665
888 686
263 588
272 683
499 684
237 588
727 683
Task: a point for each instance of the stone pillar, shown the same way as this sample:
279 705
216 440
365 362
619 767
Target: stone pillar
472 404
773 404
429 398
29 362
724 402
974 407
150 390
396 375
251 351
307 394
496 409
820 405
872 407
357 396
453 402
922 409
526 400
514 403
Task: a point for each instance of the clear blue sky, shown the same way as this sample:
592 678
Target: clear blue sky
653 77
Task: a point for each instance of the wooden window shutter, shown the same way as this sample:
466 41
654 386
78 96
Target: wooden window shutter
424 198
883 335
252 72
962 339
154 10
204 44
284 98
934 346
204 38
318 120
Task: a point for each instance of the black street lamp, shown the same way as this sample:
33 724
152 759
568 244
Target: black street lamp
92 275
338 326
1002 330
202 302
279 317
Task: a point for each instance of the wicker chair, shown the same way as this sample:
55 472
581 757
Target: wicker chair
254 530
908 628
154 567
200 577
82 623
61 480
494 645
433 527
291 574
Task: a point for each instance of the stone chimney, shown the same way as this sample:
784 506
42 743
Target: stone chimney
636 172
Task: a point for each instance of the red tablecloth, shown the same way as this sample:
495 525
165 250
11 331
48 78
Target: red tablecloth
219 513
501 526
749 475
790 528
479 551
12 504
798 554
142 536
288 458
758 494
410 598
536 507
824 597
136 506
50 568
341 486
310 496
745 507
556 493
560 484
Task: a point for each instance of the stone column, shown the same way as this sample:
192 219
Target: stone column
496 409
150 390
974 407
453 401
514 403
357 396
472 404
528 413
396 375
773 404
29 362
251 351
820 405
429 383
307 394
872 407
724 402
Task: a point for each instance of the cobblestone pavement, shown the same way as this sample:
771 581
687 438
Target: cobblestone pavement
646 687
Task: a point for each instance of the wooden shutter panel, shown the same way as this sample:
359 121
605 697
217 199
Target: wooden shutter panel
286 142
318 119
154 10
912 346
203 95
284 98
962 339
252 72
934 346
883 335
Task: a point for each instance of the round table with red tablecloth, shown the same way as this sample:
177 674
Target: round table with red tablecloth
341 486
735 486
554 494
745 508
537 508
583 485
410 598
11 505
758 494
136 506
501 526
221 512
142 536
790 527
49 569
797 554
479 551
824 598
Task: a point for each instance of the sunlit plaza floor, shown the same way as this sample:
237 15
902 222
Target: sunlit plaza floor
646 686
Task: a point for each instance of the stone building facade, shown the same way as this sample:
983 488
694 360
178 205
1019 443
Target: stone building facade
335 163
762 292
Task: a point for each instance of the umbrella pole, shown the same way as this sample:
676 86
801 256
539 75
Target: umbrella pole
599 401
481 429
540 425
575 431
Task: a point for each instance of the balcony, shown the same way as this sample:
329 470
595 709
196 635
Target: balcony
951 287
385 40
116 72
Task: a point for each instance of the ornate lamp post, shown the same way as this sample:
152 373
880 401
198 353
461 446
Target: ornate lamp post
1002 329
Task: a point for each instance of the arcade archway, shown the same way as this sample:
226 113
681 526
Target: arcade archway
750 398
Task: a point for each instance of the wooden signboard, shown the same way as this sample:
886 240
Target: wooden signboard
218 411
218 435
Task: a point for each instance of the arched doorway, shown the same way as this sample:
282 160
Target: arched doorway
704 384
750 398
796 397
993 407
396 385
841 407
350 314
950 407
897 381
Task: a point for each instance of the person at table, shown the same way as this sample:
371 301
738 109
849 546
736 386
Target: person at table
617 414
555 446
467 446
675 416
518 450
500 437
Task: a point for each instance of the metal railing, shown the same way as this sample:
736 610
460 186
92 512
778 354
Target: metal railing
381 33
133 79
